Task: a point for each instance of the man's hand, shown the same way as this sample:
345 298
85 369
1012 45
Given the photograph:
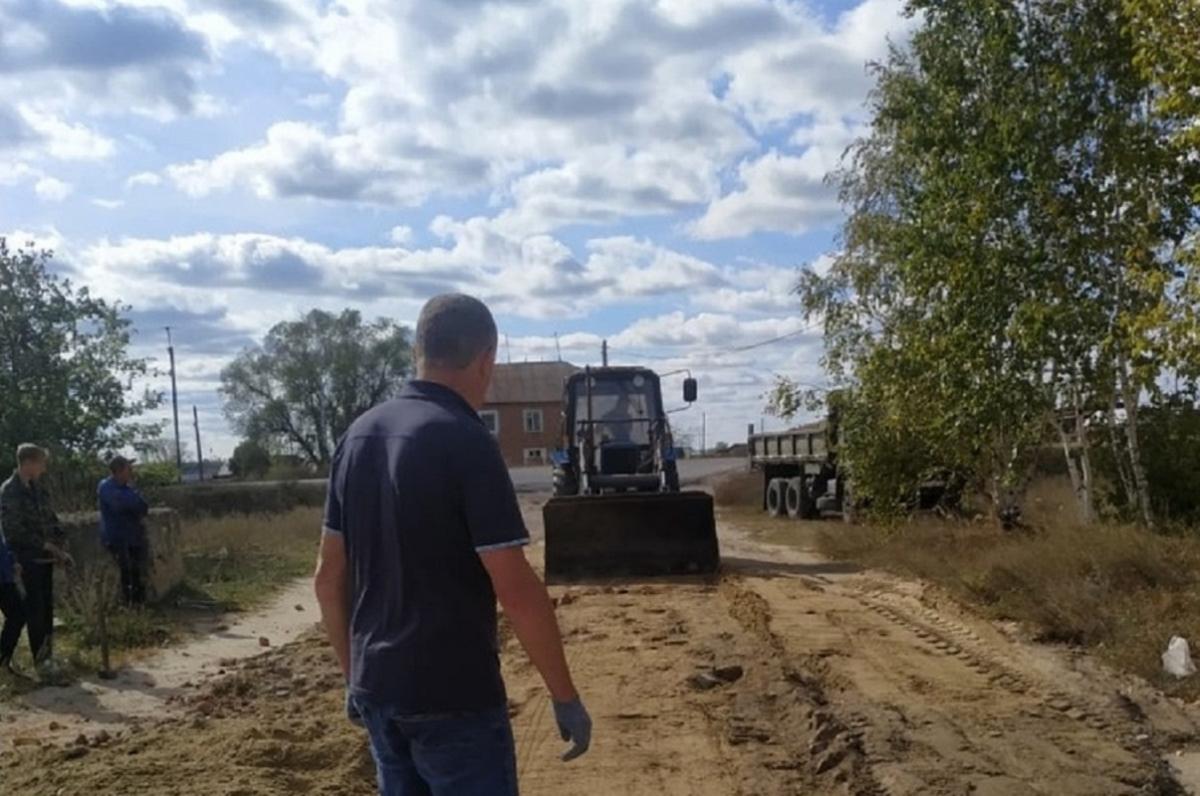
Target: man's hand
574 725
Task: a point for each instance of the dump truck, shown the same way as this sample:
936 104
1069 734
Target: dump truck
800 477
618 509
804 479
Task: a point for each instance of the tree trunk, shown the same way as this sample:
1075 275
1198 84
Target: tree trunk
1141 486
1083 451
1119 455
1077 487
1089 494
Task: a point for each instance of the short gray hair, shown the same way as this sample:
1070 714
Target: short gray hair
28 452
453 330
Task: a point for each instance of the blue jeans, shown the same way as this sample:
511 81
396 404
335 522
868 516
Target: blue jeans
455 754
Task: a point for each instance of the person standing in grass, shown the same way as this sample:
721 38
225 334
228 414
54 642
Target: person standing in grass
422 534
39 542
12 605
123 528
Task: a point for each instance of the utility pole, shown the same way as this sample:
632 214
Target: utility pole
703 433
508 347
604 353
199 450
558 346
175 407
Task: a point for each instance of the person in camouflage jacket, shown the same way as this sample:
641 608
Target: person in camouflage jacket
38 542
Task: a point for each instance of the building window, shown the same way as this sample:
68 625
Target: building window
533 421
491 419
535 456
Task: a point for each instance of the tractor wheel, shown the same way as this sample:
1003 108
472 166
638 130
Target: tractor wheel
797 499
565 483
777 497
672 472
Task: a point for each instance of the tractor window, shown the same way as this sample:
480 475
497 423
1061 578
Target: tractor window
621 409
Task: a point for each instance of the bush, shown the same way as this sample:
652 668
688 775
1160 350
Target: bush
250 460
157 474
1169 433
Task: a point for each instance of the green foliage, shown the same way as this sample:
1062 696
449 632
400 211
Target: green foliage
311 378
153 475
65 371
251 460
1013 246
1171 451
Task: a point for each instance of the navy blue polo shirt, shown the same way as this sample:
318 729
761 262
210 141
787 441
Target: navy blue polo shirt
418 488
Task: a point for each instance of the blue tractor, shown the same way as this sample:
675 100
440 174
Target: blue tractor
618 509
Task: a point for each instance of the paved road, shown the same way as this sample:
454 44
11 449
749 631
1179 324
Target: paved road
537 479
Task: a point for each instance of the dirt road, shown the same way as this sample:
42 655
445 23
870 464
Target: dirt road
788 675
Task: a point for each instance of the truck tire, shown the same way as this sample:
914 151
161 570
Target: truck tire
777 497
797 499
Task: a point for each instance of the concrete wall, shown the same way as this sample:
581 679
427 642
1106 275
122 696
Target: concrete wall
163 534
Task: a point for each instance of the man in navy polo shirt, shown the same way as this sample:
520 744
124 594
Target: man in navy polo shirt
422 534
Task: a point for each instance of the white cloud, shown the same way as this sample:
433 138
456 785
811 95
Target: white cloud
66 141
569 112
401 235
51 189
778 193
107 58
143 178
108 204
535 276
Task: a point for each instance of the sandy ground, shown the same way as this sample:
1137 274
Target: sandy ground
786 675
153 687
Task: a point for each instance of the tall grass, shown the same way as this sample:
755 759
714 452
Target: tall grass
239 560
232 563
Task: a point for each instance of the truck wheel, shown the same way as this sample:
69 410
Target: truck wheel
777 497
797 499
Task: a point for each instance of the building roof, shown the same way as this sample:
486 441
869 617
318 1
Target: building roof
529 382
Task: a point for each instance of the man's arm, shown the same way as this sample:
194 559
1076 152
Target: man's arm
124 499
531 614
57 536
331 586
529 610
13 520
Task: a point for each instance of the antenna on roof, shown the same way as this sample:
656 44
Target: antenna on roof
558 346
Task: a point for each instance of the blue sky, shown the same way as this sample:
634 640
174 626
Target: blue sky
647 172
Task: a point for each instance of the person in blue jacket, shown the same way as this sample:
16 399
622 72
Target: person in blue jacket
12 605
122 527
